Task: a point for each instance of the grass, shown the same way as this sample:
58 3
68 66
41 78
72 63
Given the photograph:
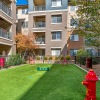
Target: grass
60 83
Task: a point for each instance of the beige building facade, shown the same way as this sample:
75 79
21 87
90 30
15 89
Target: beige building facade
48 21
22 19
7 27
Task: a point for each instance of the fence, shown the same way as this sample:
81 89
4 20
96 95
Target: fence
81 61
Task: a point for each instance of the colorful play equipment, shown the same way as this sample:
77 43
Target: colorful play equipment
90 83
43 69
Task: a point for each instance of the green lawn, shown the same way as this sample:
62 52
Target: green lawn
60 83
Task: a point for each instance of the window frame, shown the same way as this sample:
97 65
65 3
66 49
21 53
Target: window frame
24 25
57 17
74 52
56 35
25 11
56 2
73 37
57 51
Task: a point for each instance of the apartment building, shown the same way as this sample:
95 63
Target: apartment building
22 18
48 20
74 41
7 27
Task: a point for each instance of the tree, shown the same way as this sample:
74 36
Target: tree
25 43
89 20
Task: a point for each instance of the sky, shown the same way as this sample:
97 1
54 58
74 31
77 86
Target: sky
21 2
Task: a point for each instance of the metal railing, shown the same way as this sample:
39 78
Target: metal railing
39 8
39 24
5 8
40 42
5 34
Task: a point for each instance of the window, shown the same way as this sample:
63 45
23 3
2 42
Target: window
56 35
73 52
25 24
56 18
73 22
74 37
91 51
55 52
73 8
56 3
24 11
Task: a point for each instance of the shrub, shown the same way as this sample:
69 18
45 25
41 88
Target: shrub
15 60
50 58
45 58
61 57
56 58
68 57
37 58
82 53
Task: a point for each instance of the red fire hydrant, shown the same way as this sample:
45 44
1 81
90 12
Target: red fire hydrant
90 83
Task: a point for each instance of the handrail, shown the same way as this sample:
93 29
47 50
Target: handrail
5 34
5 8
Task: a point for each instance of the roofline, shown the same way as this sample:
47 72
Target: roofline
21 4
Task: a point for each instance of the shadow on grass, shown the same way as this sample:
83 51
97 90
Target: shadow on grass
60 83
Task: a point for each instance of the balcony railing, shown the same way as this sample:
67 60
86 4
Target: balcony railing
39 8
39 24
5 8
5 34
40 41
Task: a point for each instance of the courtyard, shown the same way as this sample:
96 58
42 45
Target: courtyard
61 82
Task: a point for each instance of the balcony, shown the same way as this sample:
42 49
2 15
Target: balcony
5 34
39 8
39 24
5 8
40 40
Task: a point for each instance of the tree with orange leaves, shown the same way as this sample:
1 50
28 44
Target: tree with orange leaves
25 43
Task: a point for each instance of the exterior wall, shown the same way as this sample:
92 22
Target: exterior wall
21 18
49 28
49 6
31 5
73 44
53 27
12 22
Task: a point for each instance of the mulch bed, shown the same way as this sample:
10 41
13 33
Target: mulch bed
96 68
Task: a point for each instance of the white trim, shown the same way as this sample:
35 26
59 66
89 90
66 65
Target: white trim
56 30
5 38
56 6
39 14
6 43
31 12
6 15
56 47
40 28
56 23
40 44
56 13
56 40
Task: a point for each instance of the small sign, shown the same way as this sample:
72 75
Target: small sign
42 69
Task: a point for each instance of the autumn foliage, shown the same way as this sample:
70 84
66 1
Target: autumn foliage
25 43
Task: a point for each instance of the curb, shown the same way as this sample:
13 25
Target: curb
12 67
83 69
